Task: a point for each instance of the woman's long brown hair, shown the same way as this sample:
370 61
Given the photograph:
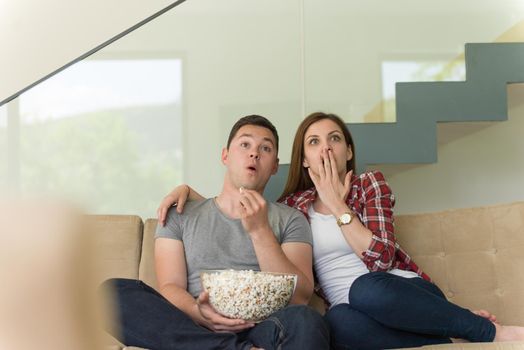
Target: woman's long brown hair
298 178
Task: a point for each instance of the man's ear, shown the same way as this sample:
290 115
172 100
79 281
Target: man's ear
349 153
224 155
275 167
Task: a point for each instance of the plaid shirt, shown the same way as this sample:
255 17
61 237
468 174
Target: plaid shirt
371 199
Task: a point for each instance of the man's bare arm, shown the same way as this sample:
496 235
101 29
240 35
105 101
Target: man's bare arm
293 257
171 272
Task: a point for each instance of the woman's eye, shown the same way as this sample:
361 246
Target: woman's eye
313 141
335 138
244 144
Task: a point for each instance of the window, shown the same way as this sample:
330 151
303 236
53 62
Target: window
3 149
415 70
105 133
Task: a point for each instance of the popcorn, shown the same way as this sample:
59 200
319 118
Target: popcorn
246 294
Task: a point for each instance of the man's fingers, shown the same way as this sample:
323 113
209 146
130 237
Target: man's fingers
230 322
203 298
255 197
220 322
246 203
249 201
224 322
235 328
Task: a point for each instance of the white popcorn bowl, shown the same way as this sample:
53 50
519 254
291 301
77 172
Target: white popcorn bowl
246 294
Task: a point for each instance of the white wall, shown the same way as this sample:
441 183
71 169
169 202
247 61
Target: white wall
483 168
38 37
287 59
240 58
282 59
347 41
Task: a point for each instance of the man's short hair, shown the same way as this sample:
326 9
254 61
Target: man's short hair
256 120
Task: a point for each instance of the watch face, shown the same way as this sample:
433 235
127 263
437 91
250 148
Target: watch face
345 218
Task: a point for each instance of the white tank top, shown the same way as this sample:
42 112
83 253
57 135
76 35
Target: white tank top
336 264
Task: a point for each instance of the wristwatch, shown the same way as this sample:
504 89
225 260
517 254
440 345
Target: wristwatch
344 219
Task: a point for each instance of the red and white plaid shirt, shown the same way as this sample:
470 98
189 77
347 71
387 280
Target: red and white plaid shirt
369 197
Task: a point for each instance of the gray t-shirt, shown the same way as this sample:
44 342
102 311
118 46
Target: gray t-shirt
215 241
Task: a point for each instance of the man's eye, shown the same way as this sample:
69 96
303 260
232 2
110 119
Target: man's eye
244 144
266 149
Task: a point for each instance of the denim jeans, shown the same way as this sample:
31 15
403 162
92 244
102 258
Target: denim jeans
388 311
148 320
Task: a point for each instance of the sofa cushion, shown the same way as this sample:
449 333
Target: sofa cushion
473 255
147 261
119 244
114 343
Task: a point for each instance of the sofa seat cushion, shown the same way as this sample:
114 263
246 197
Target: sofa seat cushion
473 255
474 346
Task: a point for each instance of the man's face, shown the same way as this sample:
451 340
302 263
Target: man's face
251 158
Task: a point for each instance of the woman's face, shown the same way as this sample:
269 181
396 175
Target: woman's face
322 137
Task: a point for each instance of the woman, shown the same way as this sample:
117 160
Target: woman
379 298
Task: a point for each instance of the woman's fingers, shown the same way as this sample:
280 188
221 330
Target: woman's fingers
161 213
333 164
180 205
347 179
327 164
347 183
313 177
178 196
321 170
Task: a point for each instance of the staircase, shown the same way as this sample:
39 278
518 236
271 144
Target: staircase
421 105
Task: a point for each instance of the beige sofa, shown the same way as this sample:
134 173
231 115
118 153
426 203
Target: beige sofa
476 256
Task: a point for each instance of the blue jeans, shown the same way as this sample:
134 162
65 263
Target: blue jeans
148 320
388 311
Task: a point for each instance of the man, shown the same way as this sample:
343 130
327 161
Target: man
237 229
